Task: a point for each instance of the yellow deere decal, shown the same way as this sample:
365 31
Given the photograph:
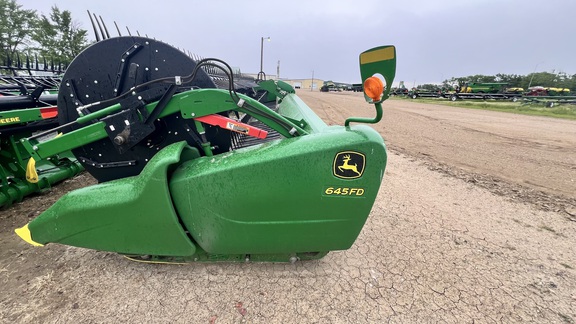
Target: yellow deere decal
344 191
10 120
349 165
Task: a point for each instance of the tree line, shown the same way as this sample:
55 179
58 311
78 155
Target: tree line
546 79
56 38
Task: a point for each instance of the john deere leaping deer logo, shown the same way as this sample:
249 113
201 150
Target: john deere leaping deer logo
349 165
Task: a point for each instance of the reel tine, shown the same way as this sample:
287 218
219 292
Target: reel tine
105 29
117 29
94 26
100 27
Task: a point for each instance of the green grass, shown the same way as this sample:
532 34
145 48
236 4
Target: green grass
565 111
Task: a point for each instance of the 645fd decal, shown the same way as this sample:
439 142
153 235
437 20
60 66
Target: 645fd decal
349 165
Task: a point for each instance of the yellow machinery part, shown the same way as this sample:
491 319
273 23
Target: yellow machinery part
24 234
31 174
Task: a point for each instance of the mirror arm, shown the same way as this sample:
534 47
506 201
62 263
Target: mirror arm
376 119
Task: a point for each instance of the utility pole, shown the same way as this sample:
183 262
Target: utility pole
261 74
312 85
278 71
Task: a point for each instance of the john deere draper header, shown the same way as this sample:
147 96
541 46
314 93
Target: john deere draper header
194 164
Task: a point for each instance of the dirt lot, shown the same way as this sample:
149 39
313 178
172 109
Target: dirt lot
475 222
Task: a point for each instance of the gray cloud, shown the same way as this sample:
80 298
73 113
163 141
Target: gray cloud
435 39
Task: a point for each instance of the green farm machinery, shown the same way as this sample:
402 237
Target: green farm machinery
27 108
197 164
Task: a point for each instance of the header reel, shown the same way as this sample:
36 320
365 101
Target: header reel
125 71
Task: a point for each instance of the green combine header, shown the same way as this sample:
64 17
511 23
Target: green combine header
197 164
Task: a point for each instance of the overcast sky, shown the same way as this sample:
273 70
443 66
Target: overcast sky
435 39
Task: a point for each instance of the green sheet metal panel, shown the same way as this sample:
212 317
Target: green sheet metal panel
294 195
132 215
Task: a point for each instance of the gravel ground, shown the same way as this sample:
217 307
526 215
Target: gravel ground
451 238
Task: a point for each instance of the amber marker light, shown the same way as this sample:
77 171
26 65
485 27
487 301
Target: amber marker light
373 88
